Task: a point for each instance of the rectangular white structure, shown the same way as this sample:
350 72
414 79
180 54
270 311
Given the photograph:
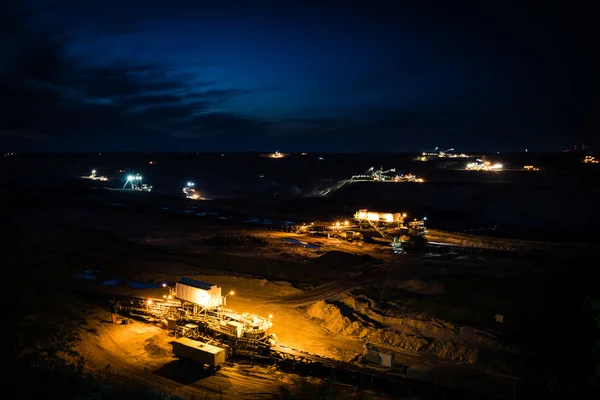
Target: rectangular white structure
387 359
201 352
198 292
365 215
374 355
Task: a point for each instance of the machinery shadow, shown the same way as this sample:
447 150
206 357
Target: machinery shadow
183 372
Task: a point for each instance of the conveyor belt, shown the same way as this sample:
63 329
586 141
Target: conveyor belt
390 376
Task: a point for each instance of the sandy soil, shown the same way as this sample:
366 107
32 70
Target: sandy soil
141 352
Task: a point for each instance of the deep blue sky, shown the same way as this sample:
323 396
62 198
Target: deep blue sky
246 75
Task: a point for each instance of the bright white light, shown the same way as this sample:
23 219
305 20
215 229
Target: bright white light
424 218
190 183
129 178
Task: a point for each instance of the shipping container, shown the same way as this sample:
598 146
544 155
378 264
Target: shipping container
201 352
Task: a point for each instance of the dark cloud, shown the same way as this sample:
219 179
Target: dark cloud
475 73
48 98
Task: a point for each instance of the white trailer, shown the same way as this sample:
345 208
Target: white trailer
202 353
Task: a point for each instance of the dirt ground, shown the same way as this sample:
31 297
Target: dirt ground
142 352
329 300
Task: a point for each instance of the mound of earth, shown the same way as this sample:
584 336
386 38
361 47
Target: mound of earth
421 325
341 258
356 325
256 287
154 349
422 286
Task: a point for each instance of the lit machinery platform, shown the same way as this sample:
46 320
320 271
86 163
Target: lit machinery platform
195 302
381 175
392 228
208 333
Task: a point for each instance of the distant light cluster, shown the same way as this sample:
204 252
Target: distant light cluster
426 156
483 165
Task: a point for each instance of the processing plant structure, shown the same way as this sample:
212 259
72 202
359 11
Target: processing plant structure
208 333
391 228
197 310
381 175
590 160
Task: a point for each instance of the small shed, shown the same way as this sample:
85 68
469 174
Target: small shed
378 356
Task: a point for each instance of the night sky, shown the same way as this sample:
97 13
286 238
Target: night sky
260 76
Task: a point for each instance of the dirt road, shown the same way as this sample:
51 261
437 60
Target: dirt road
334 289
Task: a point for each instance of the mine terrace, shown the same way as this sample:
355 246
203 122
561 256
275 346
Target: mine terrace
237 297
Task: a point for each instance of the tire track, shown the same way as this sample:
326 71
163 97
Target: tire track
334 289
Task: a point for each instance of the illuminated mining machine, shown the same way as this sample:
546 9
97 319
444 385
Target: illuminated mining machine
389 227
197 310
276 155
208 333
481 164
135 183
93 176
381 175
190 191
